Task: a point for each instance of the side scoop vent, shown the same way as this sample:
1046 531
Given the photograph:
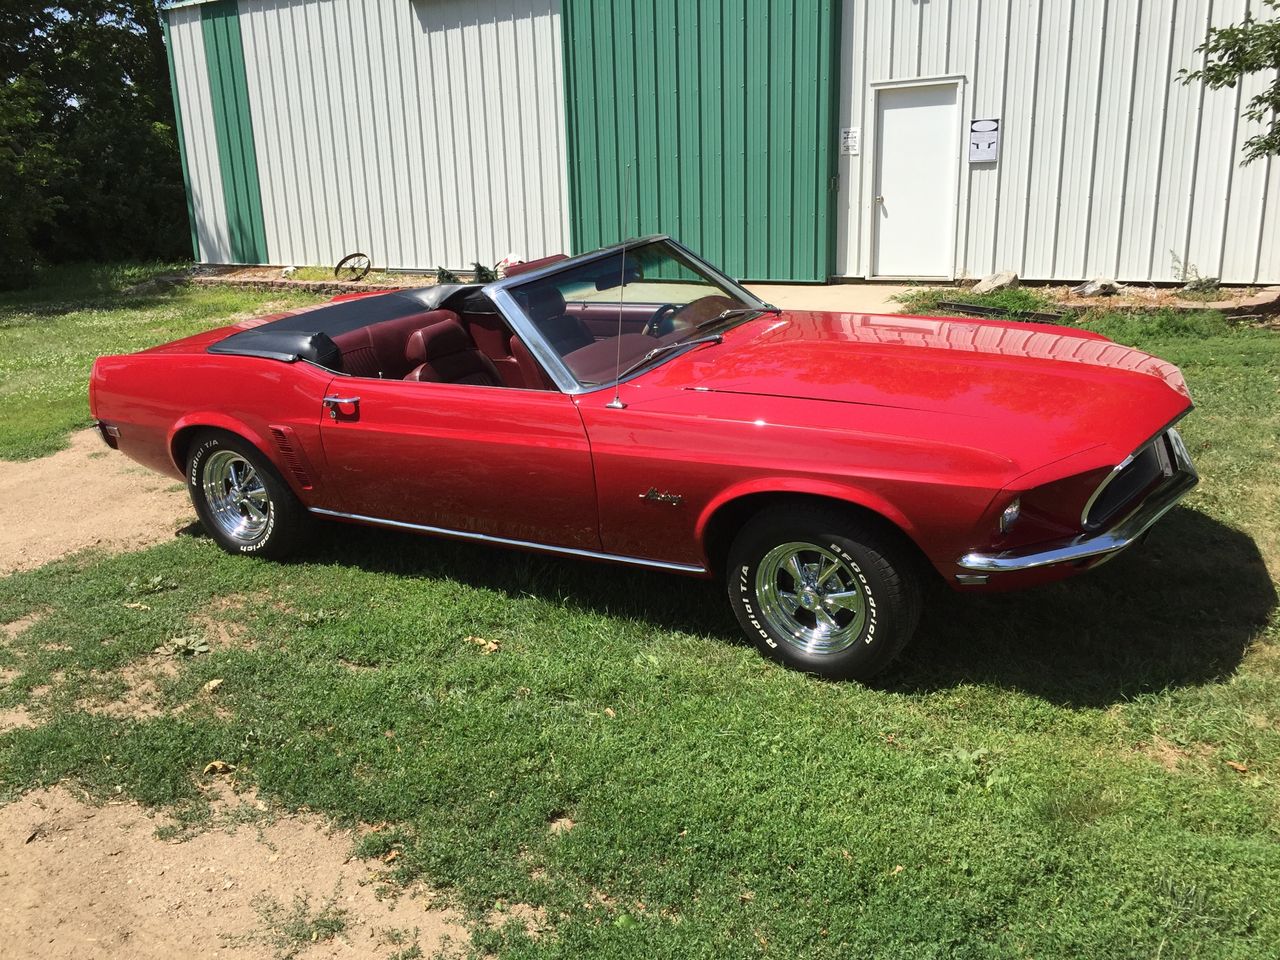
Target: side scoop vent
287 442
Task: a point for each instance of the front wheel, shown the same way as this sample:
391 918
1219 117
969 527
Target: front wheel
241 500
823 591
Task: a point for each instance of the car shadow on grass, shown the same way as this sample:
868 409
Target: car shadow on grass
1179 609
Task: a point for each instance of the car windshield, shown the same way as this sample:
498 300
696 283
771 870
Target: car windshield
605 316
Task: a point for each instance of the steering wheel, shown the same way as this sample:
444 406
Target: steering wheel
662 316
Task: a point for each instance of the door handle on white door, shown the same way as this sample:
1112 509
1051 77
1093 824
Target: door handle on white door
879 199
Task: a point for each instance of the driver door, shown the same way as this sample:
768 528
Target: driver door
492 461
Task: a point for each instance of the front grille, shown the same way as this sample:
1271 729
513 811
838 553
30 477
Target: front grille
1130 482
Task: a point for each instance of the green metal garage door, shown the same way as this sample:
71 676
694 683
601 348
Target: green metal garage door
725 112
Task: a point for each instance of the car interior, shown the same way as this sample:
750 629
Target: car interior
471 344
468 341
456 334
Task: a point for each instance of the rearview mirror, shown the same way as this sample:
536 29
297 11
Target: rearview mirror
612 279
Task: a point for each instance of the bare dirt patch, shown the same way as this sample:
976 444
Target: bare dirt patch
532 919
561 825
72 500
141 697
15 718
1136 296
20 626
223 635
81 881
1171 756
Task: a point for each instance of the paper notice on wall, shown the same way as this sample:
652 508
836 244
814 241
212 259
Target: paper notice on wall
984 141
850 141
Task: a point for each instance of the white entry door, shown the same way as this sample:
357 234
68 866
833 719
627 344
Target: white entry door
914 206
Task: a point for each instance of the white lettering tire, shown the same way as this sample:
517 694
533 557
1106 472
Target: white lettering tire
241 499
824 590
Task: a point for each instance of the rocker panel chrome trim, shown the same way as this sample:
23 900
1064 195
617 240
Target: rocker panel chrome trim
505 542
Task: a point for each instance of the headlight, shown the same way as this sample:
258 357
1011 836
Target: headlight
1010 515
1046 512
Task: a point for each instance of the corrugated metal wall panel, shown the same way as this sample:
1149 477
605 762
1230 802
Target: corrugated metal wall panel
722 111
1250 217
180 136
237 151
191 74
1269 248
1100 254
965 41
424 133
1108 166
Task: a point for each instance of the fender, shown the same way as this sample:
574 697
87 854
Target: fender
821 488
221 421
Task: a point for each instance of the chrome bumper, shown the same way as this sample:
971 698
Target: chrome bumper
1099 546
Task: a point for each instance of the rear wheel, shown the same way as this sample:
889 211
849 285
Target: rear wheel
823 591
241 500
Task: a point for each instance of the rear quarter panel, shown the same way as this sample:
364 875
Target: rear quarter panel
153 396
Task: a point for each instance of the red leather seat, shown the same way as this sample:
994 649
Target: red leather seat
377 351
546 308
443 353
532 375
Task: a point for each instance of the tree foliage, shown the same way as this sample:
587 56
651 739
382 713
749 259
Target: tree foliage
89 165
1232 52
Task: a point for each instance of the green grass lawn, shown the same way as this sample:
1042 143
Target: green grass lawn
925 301
49 337
1086 770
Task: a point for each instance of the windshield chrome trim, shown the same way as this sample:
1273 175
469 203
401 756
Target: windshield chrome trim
508 542
499 292
527 331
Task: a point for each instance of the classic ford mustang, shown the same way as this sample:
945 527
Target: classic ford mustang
635 405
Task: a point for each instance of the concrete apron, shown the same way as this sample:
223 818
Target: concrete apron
835 297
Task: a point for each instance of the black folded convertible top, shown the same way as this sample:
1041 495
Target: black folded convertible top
308 335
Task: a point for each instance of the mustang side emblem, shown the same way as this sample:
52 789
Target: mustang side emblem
652 494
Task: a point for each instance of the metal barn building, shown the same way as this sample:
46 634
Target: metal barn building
782 139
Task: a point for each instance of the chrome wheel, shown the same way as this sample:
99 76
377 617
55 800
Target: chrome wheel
811 597
237 498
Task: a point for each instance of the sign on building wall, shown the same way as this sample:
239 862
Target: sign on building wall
984 140
851 141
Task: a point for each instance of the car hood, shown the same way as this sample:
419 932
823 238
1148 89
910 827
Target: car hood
1030 393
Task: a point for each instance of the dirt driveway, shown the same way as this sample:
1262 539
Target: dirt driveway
84 496
82 881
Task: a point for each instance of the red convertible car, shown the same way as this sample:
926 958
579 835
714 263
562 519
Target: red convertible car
635 405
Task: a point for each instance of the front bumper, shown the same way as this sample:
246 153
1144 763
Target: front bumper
1090 549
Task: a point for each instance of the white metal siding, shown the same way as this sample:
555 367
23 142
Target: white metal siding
1108 165
420 132
192 76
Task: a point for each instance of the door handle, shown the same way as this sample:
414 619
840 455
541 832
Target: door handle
332 403
879 199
